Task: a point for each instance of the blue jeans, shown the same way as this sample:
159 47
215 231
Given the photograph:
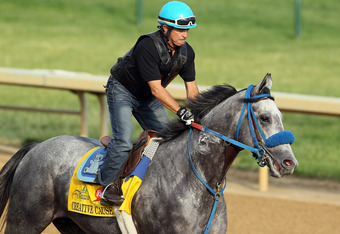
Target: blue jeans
150 114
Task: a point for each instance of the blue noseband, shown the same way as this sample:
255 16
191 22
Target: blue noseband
280 138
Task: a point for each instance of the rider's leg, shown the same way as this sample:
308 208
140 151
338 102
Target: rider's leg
151 115
120 107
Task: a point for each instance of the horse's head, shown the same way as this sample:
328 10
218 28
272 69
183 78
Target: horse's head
248 117
260 125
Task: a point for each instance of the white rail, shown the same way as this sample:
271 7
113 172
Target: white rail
79 83
286 102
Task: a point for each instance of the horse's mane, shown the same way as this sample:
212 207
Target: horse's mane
200 106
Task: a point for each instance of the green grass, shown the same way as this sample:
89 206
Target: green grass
235 42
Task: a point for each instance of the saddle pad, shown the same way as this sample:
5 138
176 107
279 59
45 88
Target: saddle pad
84 198
132 183
91 165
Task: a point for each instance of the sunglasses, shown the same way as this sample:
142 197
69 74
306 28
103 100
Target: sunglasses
180 22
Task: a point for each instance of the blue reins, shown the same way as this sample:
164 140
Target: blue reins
217 194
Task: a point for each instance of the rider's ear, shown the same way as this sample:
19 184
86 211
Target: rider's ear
165 28
265 85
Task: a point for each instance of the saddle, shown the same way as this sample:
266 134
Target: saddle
135 154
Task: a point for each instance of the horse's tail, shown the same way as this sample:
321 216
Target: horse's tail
7 174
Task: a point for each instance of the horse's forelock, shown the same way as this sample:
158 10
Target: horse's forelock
203 103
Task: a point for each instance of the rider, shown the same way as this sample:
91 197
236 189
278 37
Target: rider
137 87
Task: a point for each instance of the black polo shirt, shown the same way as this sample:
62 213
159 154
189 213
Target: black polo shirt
148 61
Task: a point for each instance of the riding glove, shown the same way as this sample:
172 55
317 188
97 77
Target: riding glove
185 115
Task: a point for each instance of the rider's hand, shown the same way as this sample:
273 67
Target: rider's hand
185 115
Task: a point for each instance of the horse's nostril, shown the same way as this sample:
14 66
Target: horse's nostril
288 163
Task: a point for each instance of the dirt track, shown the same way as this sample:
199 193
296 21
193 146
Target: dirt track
290 205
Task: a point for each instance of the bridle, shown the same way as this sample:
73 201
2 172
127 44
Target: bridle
261 143
258 137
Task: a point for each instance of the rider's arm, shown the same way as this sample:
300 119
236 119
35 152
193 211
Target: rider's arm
188 74
191 88
163 96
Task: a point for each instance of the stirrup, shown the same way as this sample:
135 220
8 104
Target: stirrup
106 202
102 195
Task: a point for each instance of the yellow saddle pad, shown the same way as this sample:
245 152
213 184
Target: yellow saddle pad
84 198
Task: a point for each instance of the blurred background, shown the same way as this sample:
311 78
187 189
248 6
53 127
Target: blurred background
236 42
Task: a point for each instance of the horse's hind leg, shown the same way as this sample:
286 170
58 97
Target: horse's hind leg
30 210
21 219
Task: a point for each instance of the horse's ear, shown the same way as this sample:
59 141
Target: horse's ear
265 85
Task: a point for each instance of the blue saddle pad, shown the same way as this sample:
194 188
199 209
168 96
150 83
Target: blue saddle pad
91 165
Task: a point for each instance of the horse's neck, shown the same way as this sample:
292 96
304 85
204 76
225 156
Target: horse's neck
210 156
216 156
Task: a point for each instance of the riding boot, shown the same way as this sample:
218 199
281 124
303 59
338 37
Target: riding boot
111 195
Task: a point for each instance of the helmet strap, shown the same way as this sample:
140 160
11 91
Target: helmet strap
167 34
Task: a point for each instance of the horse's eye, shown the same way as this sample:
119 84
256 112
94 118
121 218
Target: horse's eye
264 118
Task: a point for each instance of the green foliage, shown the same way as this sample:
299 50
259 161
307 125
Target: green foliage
235 42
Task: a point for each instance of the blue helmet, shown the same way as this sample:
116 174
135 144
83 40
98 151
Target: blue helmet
178 15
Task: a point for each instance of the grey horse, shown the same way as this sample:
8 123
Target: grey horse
171 199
